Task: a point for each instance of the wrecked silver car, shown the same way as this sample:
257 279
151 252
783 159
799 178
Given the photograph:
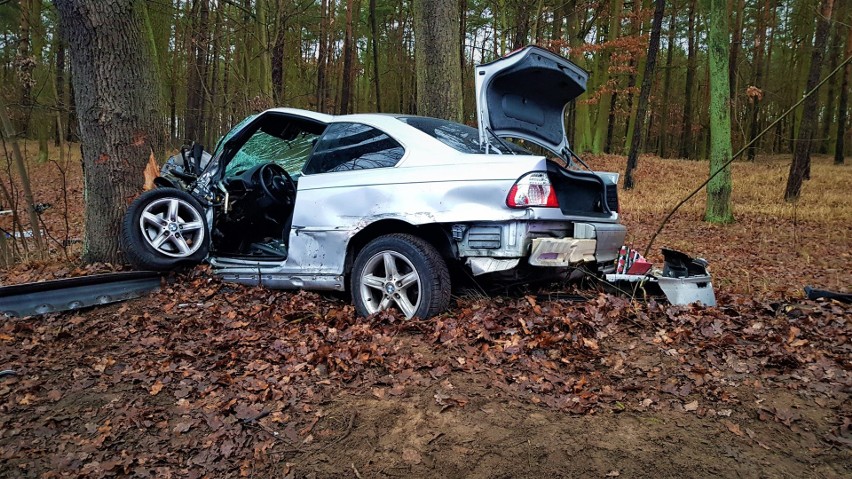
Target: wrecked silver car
384 205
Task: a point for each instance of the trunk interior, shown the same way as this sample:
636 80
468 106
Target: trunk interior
582 193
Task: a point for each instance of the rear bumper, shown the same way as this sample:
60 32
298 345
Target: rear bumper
591 243
543 244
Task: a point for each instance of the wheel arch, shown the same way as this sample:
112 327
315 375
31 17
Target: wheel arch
436 234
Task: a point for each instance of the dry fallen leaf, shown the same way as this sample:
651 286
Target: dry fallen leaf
733 427
691 406
591 344
156 388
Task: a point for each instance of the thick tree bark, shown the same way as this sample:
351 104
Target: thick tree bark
436 54
718 208
686 132
644 93
800 168
118 98
842 108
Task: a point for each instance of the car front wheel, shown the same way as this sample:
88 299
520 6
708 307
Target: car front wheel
400 271
164 228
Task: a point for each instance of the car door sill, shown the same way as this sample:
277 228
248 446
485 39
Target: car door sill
326 282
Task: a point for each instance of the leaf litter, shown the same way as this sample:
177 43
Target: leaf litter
213 379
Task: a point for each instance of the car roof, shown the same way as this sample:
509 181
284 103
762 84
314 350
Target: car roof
421 148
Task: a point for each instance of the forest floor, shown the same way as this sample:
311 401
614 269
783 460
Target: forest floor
212 379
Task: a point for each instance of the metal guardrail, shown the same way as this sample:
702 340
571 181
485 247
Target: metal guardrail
73 293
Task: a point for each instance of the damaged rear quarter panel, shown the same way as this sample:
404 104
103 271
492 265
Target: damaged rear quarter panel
332 207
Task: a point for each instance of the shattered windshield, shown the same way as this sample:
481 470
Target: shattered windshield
239 126
459 137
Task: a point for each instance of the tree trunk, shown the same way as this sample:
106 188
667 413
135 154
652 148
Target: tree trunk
757 81
374 37
664 122
8 134
438 71
644 93
26 63
278 60
197 66
72 128
609 82
465 94
842 108
522 24
686 131
211 129
321 55
800 168
635 69
118 97
60 86
348 58
736 44
264 62
828 112
718 208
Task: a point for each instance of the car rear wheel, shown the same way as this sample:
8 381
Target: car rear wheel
164 228
403 272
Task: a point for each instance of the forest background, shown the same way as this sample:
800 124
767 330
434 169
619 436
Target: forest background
219 60
216 61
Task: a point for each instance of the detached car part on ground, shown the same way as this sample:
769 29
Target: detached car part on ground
388 205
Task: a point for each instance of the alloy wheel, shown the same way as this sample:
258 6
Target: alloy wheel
172 227
389 279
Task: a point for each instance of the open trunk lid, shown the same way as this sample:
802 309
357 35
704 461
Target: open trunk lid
524 95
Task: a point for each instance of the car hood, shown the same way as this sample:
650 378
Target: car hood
524 95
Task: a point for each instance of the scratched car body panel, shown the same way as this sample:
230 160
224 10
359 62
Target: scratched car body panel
382 204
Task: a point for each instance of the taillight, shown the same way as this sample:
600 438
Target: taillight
533 189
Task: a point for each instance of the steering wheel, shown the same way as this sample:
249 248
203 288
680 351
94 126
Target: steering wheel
277 183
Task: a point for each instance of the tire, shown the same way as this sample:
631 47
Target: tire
151 241
419 285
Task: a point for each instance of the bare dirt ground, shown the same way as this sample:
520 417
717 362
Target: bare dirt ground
205 379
